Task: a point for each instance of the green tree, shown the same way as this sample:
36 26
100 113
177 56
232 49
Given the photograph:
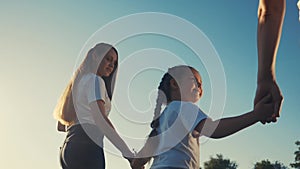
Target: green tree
297 157
266 164
278 165
219 163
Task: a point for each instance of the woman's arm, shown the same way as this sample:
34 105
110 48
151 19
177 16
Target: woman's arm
61 127
107 128
100 104
270 20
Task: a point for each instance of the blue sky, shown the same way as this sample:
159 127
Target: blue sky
40 45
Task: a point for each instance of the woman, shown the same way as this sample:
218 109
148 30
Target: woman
83 111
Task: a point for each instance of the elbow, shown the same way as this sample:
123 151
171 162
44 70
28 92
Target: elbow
213 134
210 128
217 136
61 127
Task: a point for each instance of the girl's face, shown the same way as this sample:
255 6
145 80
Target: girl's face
107 64
190 87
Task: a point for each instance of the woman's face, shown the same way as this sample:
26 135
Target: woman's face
107 64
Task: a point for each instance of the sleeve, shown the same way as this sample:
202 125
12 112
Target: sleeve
190 115
95 89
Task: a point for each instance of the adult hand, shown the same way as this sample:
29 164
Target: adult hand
264 109
130 158
270 87
136 164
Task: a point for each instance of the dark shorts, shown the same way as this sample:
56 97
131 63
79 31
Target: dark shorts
81 152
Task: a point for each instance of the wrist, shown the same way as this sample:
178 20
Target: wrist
266 80
266 76
128 154
256 117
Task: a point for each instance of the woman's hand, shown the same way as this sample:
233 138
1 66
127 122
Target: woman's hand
269 88
137 164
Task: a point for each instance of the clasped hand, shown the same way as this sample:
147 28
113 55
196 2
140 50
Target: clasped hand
275 99
135 162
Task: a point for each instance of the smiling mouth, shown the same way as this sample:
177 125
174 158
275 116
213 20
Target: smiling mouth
109 70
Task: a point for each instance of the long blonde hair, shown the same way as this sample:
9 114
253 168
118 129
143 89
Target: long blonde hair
65 111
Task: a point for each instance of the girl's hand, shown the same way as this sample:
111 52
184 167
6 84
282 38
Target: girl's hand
264 109
130 157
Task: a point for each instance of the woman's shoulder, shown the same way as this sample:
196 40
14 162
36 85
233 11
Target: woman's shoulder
92 77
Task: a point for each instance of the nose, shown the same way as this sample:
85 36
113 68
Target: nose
111 64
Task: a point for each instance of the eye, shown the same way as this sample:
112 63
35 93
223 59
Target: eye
197 82
194 80
109 59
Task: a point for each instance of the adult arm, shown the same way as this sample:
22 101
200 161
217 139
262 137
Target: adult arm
61 127
105 125
270 20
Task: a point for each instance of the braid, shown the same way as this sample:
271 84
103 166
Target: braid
159 102
162 98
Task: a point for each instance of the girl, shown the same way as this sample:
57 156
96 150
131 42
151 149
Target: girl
174 139
83 111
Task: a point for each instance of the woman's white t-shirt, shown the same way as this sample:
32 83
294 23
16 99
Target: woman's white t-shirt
89 89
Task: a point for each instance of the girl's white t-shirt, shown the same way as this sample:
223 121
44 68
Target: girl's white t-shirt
178 141
89 89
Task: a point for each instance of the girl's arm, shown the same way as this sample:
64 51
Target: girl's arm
142 157
147 152
227 126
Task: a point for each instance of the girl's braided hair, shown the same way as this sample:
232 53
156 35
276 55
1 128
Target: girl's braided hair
164 92
163 97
